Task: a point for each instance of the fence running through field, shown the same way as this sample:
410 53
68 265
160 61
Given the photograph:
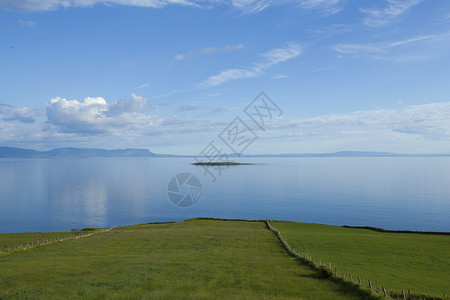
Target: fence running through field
363 282
43 242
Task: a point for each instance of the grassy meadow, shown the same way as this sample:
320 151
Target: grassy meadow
201 259
420 262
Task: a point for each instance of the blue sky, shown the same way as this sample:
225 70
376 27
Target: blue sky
170 75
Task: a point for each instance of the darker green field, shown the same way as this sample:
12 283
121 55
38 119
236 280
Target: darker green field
203 259
420 262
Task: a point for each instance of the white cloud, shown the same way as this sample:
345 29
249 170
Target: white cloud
393 10
19 125
95 115
21 114
94 122
269 59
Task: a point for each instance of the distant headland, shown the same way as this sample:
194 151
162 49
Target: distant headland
11 152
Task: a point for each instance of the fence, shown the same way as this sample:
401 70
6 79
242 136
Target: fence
43 242
372 286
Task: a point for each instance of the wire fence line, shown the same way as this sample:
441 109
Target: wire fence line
43 242
372 286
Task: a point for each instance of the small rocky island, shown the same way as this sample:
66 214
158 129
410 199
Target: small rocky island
220 163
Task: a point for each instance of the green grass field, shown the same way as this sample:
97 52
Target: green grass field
419 262
200 259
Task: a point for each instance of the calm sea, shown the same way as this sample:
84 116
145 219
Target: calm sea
57 194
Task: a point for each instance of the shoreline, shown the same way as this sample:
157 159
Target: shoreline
372 228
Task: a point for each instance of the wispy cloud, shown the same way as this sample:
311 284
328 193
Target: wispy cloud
331 30
323 69
269 59
143 85
171 93
180 57
46 5
209 51
408 129
383 50
252 6
393 10
329 7
128 65
446 18
227 75
244 6
225 109
27 23
190 107
279 76
428 120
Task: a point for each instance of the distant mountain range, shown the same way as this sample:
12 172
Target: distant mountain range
9 152
74 152
343 154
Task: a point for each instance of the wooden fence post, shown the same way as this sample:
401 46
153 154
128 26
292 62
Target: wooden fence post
384 292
